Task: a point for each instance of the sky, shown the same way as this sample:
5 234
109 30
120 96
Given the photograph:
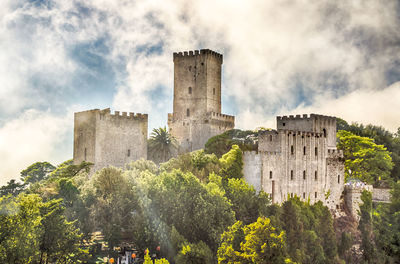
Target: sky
57 57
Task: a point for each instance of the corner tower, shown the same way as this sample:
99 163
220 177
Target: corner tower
197 99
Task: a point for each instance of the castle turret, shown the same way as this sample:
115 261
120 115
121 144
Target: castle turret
197 99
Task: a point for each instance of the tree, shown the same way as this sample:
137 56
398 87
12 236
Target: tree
36 172
366 227
258 242
232 163
12 187
364 159
161 145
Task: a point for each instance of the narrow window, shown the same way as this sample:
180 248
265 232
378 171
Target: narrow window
304 195
85 153
291 195
304 150
270 174
214 91
324 132
316 175
292 149
316 151
316 195
190 90
270 138
338 179
187 112
291 175
283 124
304 175
129 152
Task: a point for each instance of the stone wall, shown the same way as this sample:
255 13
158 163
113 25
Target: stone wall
197 99
353 197
109 139
296 163
381 195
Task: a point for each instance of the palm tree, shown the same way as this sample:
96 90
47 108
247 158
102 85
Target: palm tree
161 145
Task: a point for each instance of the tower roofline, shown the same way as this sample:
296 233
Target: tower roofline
201 52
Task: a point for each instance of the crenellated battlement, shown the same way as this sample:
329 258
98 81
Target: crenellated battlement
117 114
220 116
202 52
305 117
335 153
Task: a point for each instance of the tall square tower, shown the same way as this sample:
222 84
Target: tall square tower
197 99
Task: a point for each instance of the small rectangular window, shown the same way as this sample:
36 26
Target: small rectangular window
85 153
291 175
129 152
316 151
316 175
304 195
190 90
338 179
291 149
291 195
270 174
304 150
187 112
304 175
316 195
214 91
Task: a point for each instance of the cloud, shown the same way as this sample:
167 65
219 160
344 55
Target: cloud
33 136
280 57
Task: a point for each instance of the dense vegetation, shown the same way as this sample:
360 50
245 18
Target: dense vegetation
195 208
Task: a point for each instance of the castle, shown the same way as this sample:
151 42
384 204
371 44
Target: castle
298 158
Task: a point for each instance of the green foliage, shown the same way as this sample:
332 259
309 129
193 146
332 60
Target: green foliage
365 226
232 164
259 242
181 200
68 170
381 137
34 231
36 172
161 145
12 187
246 203
365 160
147 259
197 162
221 144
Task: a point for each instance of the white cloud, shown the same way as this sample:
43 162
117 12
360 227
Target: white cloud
278 57
31 137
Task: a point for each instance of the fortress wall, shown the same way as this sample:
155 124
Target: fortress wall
84 136
381 195
252 168
109 139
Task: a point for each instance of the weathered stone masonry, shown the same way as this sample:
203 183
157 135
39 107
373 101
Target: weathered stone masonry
109 139
197 99
299 158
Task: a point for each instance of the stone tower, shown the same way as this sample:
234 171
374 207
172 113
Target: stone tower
109 139
197 99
